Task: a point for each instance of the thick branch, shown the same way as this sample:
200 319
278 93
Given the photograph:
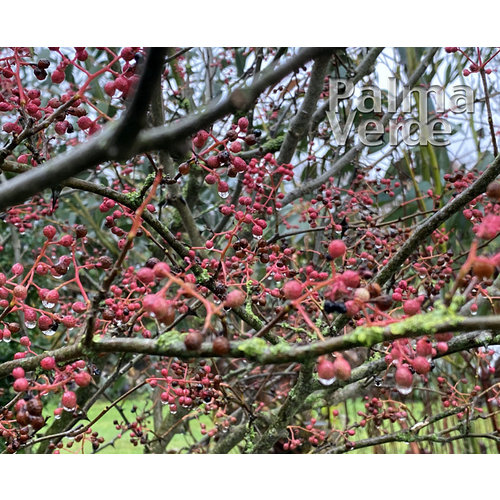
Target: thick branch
240 99
300 123
116 140
426 228
258 350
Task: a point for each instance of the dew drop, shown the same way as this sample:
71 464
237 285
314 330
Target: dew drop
421 276
49 332
58 277
404 390
257 237
223 194
473 313
326 381
65 408
30 324
7 339
48 305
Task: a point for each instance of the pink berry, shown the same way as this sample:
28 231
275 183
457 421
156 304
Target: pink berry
48 363
292 290
341 368
69 400
336 249
82 379
146 275
20 292
49 232
21 385
84 122
326 370
57 76
109 88
44 322
404 377
18 372
351 279
421 365
424 347
243 124
234 299
411 307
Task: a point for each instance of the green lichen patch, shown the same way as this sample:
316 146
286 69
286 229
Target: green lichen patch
253 347
170 338
367 335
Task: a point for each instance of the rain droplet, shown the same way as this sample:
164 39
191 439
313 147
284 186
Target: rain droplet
48 305
49 332
7 339
30 324
58 277
404 390
421 276
257 237
65 408
223 194
326 381
473 313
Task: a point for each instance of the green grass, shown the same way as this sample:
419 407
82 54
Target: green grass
107 430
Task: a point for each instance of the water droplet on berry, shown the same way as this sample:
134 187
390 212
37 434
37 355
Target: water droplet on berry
257 237
30 324
473 313
404 390
7 339
326 381
49 332
223 194
48 305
